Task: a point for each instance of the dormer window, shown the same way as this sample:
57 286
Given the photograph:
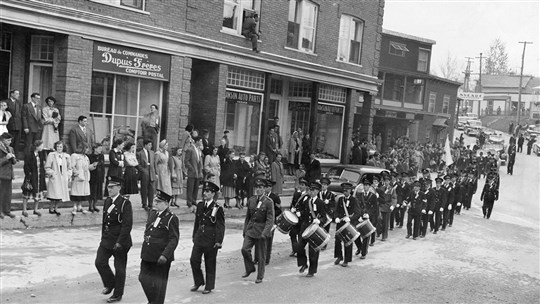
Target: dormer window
398 49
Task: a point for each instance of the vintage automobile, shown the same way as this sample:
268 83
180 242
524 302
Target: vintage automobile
473 127
496 138
353 174
499 150
461 122
536 148
532 130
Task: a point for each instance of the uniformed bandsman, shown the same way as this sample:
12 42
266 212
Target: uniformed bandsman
347 211
427 217
387 203
439 198
490 194
416 202
329 199
208 234
312 210
160 240
366 198
277 212
115 240
299 195
448 212
455 187
257 227
402 191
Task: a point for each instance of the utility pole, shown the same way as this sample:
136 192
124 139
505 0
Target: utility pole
521 79
479 90
465 85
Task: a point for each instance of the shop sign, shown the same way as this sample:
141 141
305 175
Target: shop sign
470 96
128 61
328 109
243 97
391 114
299 106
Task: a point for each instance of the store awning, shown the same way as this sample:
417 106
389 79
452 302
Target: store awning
440 122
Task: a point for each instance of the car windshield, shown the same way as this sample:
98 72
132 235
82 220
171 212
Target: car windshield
351 176
475 123
463 118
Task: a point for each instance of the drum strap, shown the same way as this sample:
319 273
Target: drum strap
345 207
311 209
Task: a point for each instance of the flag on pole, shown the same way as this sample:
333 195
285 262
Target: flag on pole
448 153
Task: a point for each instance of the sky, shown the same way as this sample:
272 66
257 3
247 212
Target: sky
464 28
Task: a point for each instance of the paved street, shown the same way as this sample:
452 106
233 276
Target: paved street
475 261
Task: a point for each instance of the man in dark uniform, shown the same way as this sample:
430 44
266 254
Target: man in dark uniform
329 199
242 170
455 196
416 202
277 212
160 240
366 198
387 204
490 194
427 216
208 234
299 195
473 186
257 227
511 159
402 191
312 210
448 211
373 208
115 240
439 196
347 211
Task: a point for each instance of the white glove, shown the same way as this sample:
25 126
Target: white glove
424 211
430 212
337 220
441 209
293 209
449 207
391 208
298 213
326 201
346 219
316 221
397 205
366 216
459 204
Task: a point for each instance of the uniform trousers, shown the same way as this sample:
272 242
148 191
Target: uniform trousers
210 256
338 251
5 195
401 216
451 215
294 238
362 245
445 216
458 209
154 278
426 218
413 224
302 258
374 221
486 209
111 280
438 219
260 251
385 223
394 217
269 241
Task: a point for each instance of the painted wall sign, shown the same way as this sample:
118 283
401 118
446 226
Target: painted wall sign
243 97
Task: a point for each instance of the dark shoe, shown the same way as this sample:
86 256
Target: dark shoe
414 238
52 211
383 240
449 225
372 244
114 299
195 287
146 208
206 291
256 51
363 257
309 275
57 213
257 281
434 232
345 264
443 229
25 214
11 215
324 248
266 263
96 209
408 236
91 210
337 261
246 274
1 216
293 254
37 213
422 236
303 268
391 229
107 290
357 252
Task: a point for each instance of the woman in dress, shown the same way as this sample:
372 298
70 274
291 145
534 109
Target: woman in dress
212 168
58 169
131 174
51 119
260 166
5 116
97 176
163 164
116 162
177 175
295 151
80 184
34 172
227 178
277 175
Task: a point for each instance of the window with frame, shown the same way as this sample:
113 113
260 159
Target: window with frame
235 12
446 104
398 49
133 4
350 39
300 89
42 48
5 44
245 78
302 25
432 100
423 60
332 93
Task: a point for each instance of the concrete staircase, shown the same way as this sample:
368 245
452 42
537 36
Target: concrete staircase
499 123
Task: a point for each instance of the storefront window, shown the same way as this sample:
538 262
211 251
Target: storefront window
299 116
329 131
118 104
243 120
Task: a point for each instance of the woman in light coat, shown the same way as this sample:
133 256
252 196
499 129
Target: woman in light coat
163 164
58 170
177 175
5 116
80 184
212 167
295 152
51 119
277 175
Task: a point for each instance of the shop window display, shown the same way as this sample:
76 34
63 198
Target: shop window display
329 131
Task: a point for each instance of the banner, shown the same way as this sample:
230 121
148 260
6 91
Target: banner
447 153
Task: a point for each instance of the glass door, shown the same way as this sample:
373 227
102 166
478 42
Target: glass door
40 79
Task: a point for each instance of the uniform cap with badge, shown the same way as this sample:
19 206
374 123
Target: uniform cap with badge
347 186
210 187
315 186
162 196
325 180
259 182
115 181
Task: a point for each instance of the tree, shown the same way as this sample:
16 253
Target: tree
449 69
497 59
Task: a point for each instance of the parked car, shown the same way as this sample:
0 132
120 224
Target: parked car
461 122
536 148
488 132
472 116
473 127
532 130
498 149
495 139
353 174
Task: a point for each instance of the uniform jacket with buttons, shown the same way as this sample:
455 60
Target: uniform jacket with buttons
162 239
387 198
449 194
259 218
208 230
490 193
401 192
306 217
331 204
417 202
117 224
439 197
353 210
368 204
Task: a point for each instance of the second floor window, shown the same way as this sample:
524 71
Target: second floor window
350 39
446 104
42 48
423 59
135 4
236 11
302 26
432 99
398 49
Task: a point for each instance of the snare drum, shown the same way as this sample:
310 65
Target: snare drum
286 221
316 236
365 228
348 234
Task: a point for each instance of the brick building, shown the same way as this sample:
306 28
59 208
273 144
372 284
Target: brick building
411 101
112 59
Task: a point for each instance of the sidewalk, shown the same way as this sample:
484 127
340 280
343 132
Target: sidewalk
66 219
